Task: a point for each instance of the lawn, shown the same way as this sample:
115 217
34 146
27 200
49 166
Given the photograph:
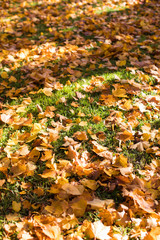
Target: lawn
79 120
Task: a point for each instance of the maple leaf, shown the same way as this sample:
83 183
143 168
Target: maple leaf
72 189
125 136
98 203
99 231
119 91
102 151
5 118
47 91
4 75
79 205
80 136
147 206
16 206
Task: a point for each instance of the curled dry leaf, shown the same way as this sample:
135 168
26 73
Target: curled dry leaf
102 151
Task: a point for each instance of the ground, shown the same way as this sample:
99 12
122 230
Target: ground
79 120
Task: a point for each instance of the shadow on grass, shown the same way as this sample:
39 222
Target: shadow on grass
44 43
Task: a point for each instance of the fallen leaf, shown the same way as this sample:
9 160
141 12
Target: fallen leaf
98 203
47 91
81 136
97 230
72 189
4 75
102 151
79 206
92 184
119 91
16 206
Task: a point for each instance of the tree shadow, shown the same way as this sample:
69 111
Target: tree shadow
44 43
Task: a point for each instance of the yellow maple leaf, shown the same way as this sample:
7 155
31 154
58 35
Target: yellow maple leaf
119 92
121 63
16 206
79 205
4 75
12 79
36 128
121 160
92 184
80 135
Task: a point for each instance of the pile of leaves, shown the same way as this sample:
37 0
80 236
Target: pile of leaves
79 120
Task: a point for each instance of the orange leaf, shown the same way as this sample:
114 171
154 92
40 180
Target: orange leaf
125 136
12 79
4 75
102 151
80 135
97 119
154 234
48 174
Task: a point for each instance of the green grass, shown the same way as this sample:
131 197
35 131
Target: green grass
88 24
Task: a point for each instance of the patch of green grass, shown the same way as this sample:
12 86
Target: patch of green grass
116 195
156 124
91 216
2 222
109 10
124 231
5 136
9 193
69 29
137 158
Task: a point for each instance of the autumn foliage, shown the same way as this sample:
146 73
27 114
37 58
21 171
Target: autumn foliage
79 120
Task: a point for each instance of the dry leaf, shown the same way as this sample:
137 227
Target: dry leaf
72 189
119 92
92 184
102 151
16 206
4 75
81 136
79 206
47 91
98 203
98 231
